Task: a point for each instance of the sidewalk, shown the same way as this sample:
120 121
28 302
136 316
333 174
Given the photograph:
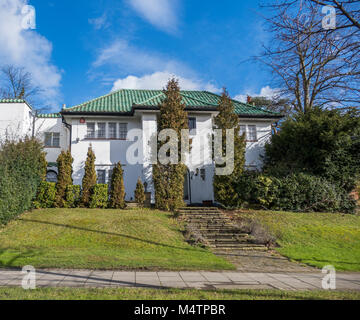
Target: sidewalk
182 279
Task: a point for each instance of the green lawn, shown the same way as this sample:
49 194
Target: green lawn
170 294
101 239
317 239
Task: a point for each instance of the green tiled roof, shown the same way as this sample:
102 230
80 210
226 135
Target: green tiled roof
49 115
125 100
12 101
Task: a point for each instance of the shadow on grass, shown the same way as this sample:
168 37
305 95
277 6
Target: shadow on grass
24 254
109 233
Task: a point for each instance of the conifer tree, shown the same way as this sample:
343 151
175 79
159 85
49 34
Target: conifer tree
43 166
64 163
169 179
224 186
89 179
140 193
117 190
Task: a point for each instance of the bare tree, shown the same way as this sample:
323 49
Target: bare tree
312 66
16 83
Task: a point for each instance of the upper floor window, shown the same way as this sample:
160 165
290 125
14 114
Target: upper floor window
52 139
101 130
243 131
192 126
252 133
123 131
106 130
90 131
112 130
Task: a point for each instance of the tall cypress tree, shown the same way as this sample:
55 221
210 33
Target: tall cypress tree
89 179
117 190
169 178
64 163
224 186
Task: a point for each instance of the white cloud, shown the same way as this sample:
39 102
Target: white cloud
28 49
130 59
264 92
160 13
100 22
158 80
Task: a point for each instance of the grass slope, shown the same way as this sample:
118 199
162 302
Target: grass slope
318 239
101 239
170 294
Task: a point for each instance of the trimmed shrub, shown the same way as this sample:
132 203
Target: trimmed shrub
99 196
45 197
89 179
117 188
72 196
140 193
64 163
21 171
296 192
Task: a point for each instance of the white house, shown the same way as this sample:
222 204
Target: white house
107 124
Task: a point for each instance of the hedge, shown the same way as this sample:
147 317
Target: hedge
296 192
99 196
21 171
45 197
72 196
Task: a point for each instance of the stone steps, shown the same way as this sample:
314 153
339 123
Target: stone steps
218 230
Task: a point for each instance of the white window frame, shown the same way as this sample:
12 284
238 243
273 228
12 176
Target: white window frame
249 138
87 130
109 131
98 130
52 145
121 137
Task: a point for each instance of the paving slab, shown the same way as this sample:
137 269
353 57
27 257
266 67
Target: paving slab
215 276
188 276
182 279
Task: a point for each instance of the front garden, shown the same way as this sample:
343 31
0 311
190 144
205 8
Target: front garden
102 239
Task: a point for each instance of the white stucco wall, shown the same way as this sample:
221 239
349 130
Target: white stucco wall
255 150
15 120
55 125
107 152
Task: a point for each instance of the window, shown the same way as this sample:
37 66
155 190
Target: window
90 131
243 131
52 139
101 132
51 176
112 130
203 174
252 133
192 126
101 176
122 131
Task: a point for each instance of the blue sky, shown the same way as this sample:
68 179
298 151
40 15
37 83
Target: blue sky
85 48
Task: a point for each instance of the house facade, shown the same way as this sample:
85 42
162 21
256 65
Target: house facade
119 127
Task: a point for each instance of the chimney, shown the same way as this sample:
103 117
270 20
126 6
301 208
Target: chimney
248 99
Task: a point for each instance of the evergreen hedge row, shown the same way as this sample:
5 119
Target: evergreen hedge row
21 171
296 192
